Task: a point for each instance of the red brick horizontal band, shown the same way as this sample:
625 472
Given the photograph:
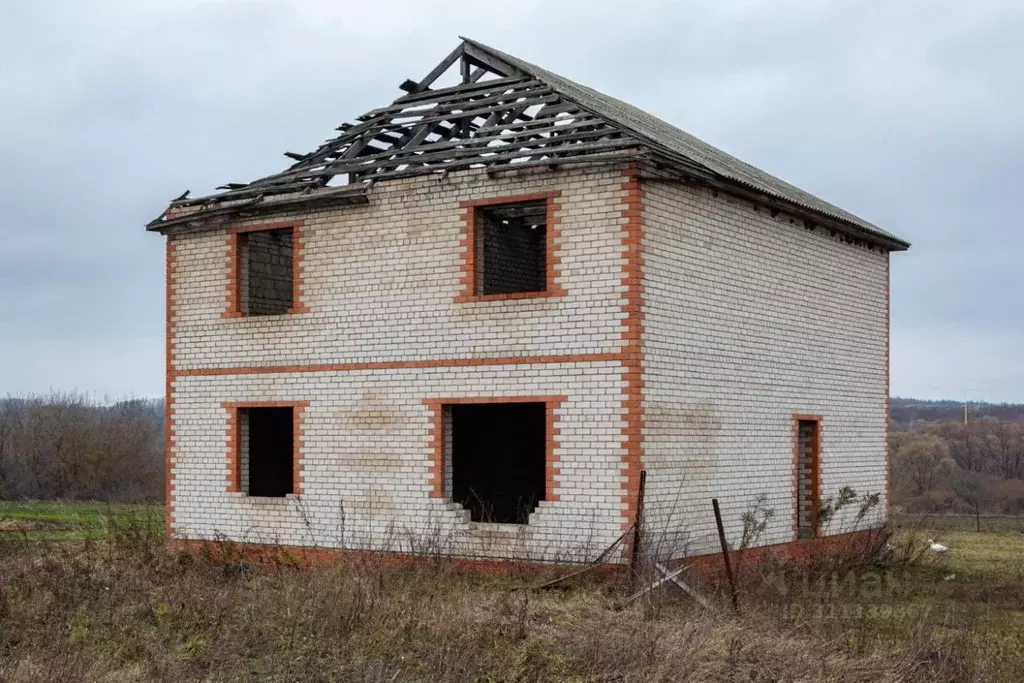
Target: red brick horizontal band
405 365
495 399
288 555
266 404
463 298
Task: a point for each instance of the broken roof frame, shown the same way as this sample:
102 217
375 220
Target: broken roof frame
504 114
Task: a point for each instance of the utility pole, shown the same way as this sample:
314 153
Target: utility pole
965 413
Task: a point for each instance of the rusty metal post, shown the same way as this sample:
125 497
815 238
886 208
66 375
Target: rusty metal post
725 554
638 522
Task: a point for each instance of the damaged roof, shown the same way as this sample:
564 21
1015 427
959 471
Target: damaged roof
505 113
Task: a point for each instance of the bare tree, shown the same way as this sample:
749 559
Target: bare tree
974 491
1004 447
921 461
966 445
9 417
63 446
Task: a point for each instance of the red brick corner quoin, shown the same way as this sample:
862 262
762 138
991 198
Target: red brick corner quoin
468 242
435 408
234 437
169 389
888 400
233 307
632 347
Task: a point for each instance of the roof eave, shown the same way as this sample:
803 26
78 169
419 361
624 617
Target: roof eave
215 216
695 174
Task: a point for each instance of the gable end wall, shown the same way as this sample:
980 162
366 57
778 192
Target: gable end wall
750 319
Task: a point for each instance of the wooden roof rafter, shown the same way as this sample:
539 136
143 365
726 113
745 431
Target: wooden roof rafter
495 114
500 112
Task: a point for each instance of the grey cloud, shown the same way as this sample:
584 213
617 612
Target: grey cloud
908 113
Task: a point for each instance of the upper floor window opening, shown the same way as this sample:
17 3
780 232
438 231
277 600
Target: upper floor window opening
266 259
265 270
511 248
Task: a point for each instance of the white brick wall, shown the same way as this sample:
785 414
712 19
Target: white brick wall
366 452
380 283
748 320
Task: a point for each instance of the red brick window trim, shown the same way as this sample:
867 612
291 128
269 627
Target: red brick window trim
234 439
234 284
812 476
470 267
439 450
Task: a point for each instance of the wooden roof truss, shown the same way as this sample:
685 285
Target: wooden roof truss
499 112
495 116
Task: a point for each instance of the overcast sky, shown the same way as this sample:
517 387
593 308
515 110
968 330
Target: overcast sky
909 113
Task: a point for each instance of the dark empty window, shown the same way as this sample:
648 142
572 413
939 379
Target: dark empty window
267 451
267 264
807 474
498 454
511 248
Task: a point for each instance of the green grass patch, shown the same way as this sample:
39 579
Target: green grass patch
132 608
943 523
34 520
973 590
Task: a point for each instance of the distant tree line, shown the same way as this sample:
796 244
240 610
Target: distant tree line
910 412
949 466
66 446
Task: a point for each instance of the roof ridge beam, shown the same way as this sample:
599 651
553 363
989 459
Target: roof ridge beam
438 70
478 57
458 89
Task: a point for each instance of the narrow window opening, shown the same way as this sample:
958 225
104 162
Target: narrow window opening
808 462
511 243
267 263
267 450
498 456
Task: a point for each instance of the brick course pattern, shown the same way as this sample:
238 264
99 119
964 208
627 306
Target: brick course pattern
752 317
387 331
237 437
806 479
170 277
686 330
470 252
633 329
440 435
235 264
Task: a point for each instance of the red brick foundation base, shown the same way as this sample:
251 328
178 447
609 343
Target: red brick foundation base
306 557
847 545
828 549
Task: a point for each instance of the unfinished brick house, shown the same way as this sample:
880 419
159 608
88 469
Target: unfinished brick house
468 322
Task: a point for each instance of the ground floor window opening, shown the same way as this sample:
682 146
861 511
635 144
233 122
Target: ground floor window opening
267 451
497 459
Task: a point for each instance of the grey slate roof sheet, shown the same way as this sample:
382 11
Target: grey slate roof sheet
674 140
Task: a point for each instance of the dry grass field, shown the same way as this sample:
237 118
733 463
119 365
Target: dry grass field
95 595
